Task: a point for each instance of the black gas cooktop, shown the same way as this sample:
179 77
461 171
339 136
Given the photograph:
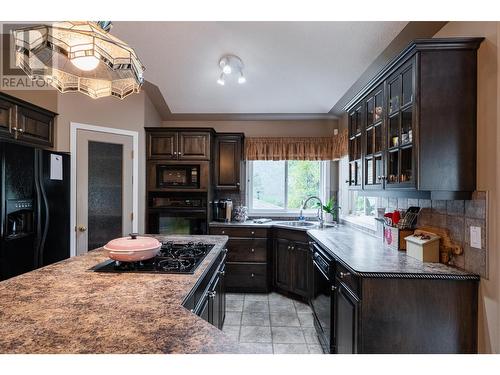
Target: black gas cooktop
172 258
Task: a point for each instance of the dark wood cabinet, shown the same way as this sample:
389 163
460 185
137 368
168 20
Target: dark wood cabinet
35 127
345 317
389 314
194 145
292 263
301 269
162 145
208 297
175 144
6 117
248 258
413 126
282 264
228 159
26 122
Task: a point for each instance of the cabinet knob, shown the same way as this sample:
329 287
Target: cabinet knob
222 273
288 247
252 250
252 275
344 274
237 184
212 294
334 288
223 232
252 233
82 228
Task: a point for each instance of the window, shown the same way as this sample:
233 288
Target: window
361 210
281 186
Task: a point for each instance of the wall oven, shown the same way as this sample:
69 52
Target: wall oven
177 214
323 296
178 176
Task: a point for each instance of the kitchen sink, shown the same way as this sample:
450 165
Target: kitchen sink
297 224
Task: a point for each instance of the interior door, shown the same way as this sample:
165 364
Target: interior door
103 188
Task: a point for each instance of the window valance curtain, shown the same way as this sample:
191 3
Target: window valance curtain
288 148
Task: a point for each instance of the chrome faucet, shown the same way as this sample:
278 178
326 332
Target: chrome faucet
320 209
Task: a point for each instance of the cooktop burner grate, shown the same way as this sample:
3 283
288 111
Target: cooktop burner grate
172 258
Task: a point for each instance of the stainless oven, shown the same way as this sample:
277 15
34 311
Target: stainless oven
322 297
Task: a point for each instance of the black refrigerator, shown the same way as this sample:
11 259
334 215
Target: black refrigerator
35 208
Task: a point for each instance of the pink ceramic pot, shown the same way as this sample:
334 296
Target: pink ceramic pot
133 248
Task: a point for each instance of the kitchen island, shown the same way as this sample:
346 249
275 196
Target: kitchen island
67 308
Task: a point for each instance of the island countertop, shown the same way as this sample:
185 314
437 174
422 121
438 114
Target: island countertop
365 255
66 308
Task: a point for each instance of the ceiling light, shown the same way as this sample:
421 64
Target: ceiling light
220 81
85 63
241 78
79 56
230 64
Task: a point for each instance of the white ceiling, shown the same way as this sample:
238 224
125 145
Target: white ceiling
291 67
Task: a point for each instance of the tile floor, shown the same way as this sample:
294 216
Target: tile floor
270 323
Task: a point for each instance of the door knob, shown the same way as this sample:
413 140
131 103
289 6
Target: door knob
82 228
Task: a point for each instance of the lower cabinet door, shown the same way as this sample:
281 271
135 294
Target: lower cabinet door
282 264
346 307
246 277
301 269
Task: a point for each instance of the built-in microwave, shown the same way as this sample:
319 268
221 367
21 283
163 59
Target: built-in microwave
178 176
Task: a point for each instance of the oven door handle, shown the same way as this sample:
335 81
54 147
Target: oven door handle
321 270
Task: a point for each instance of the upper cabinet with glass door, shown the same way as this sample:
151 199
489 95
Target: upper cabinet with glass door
374 139
400 151
355 147
418 122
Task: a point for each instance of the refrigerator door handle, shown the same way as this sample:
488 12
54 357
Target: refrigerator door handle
45 229
38 210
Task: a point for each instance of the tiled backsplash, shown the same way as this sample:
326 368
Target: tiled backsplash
457 216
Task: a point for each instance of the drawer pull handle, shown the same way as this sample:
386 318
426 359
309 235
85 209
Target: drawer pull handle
252 275
344 274
252 250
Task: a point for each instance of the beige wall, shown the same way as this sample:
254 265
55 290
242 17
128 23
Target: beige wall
488 175
132 113
269 128
46 99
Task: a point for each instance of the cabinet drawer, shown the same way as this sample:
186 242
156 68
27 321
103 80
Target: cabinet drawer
346 277
250 277
247 250
240 232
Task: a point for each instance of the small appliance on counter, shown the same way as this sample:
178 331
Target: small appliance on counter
423 246
240 214
222 210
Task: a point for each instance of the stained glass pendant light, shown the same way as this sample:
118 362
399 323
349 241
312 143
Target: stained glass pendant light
79 56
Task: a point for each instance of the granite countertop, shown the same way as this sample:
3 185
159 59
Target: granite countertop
365 255
65 308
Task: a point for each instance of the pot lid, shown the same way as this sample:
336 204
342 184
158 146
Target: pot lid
133 243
